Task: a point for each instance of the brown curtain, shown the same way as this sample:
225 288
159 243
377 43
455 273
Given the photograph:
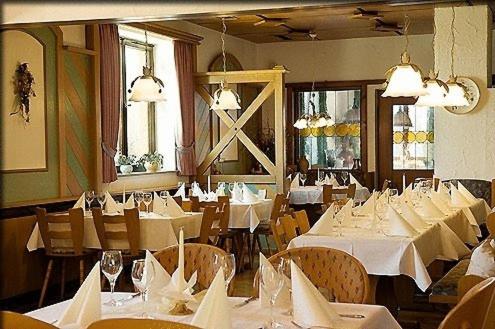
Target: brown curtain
184 64
110 97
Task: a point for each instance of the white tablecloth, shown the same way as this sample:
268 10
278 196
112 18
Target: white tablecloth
392 255
249 215
251 316
157 232
314 194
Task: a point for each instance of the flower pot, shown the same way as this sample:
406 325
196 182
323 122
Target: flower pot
126 169
151 166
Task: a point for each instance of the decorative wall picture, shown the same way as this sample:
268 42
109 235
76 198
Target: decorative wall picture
23 103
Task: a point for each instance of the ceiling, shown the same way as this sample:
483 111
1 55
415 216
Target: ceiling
328 22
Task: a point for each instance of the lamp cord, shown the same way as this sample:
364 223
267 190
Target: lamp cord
407 22
453 42
434 36
146 45
224 30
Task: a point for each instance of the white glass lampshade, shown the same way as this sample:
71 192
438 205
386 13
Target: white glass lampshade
322 121
225 99
404 80
437 91
146 88
330 121
457 94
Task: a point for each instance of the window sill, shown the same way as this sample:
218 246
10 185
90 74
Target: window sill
143 173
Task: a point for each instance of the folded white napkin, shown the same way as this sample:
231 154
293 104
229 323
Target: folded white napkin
211 196
442 188
353 180
468 195
295 182
412 217
439 201
261 194
458 200
346 212
367 208
110 205
129 204
181 191
443 193
247 195
172 208
196 191
406 194
483 260
429 208
324 225
327 180
384 196
161 278
399 225
309 306
85 307
214 310
81 203
283 298
333 181
220 189
237 192
159 205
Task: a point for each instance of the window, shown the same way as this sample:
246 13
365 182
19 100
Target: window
337 146
148 127
413 137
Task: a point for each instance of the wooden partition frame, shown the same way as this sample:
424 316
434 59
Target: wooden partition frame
275 85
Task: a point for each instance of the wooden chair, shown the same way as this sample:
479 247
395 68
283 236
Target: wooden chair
178 200
335 272
210 216
490 224
331 195
122 229
123 323
194 200
465 283
12 320
197 257
302 221
290 227
278 235
475 310
62 235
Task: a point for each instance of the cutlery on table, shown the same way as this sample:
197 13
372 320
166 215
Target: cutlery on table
246 301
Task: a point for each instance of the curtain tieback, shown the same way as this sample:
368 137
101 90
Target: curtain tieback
185 149
109 151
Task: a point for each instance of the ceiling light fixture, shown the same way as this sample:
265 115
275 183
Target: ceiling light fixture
225 98
146 87
404 80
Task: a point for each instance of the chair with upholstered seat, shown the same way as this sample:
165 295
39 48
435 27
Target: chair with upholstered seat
197 257
62 236
12 320
475 309
337 274
139 324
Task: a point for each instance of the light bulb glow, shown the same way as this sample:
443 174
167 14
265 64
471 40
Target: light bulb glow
405 81
437 93
145 89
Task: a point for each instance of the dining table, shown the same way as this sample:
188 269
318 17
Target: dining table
314 194
156 231
243 315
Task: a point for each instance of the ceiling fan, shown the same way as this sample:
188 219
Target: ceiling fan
361 13
277 21
381 26
296 34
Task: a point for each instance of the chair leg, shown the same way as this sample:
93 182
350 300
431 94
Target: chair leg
62 279
45 282
250 250
81 271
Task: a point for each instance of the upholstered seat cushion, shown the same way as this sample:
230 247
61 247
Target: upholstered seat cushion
445 289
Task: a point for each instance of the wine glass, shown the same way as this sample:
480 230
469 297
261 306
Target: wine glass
227 263
339 217
101 197
393 193
381 209
303 178
285 271
147 198
142 276
90 196
345 176
271 282
111 266
138 197
164 196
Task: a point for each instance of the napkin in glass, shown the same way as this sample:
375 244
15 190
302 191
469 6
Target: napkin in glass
247 195
81 203
129 204
467 195
111 206
367 208
172 208
412 217
214 310
261 194
333 181
295 182
309 306
161 278
327 180
457 198
346 212
159 205
429 208
324 226
439 201
181 191
85 307
399 225
283 298
237 192
353 180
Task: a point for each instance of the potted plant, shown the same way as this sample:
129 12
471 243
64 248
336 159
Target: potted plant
125 163
152 161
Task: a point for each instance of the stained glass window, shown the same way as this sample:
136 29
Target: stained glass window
413 137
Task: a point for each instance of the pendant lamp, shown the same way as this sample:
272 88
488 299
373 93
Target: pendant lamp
147 87
225 98
436 92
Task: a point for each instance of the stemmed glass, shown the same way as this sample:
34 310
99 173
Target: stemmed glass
393 193
271 282
138 197
142 278
101 199
345 176
381 208
90 196
227 263
163 196
147 198
339 217
285 271
303 178
111 266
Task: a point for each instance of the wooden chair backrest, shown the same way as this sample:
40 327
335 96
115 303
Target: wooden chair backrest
11 320
436 182
197 257
279 234
465 283
302 221
493 193
279 204
74 230
178 200
211 215
332 270
123 323
290 227
107 228
194 203
329 193
475 310
490 224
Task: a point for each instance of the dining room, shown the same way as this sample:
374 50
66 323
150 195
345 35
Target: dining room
226 164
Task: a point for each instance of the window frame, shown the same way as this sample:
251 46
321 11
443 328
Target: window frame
128 42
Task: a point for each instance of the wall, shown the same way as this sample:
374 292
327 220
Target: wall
465 144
